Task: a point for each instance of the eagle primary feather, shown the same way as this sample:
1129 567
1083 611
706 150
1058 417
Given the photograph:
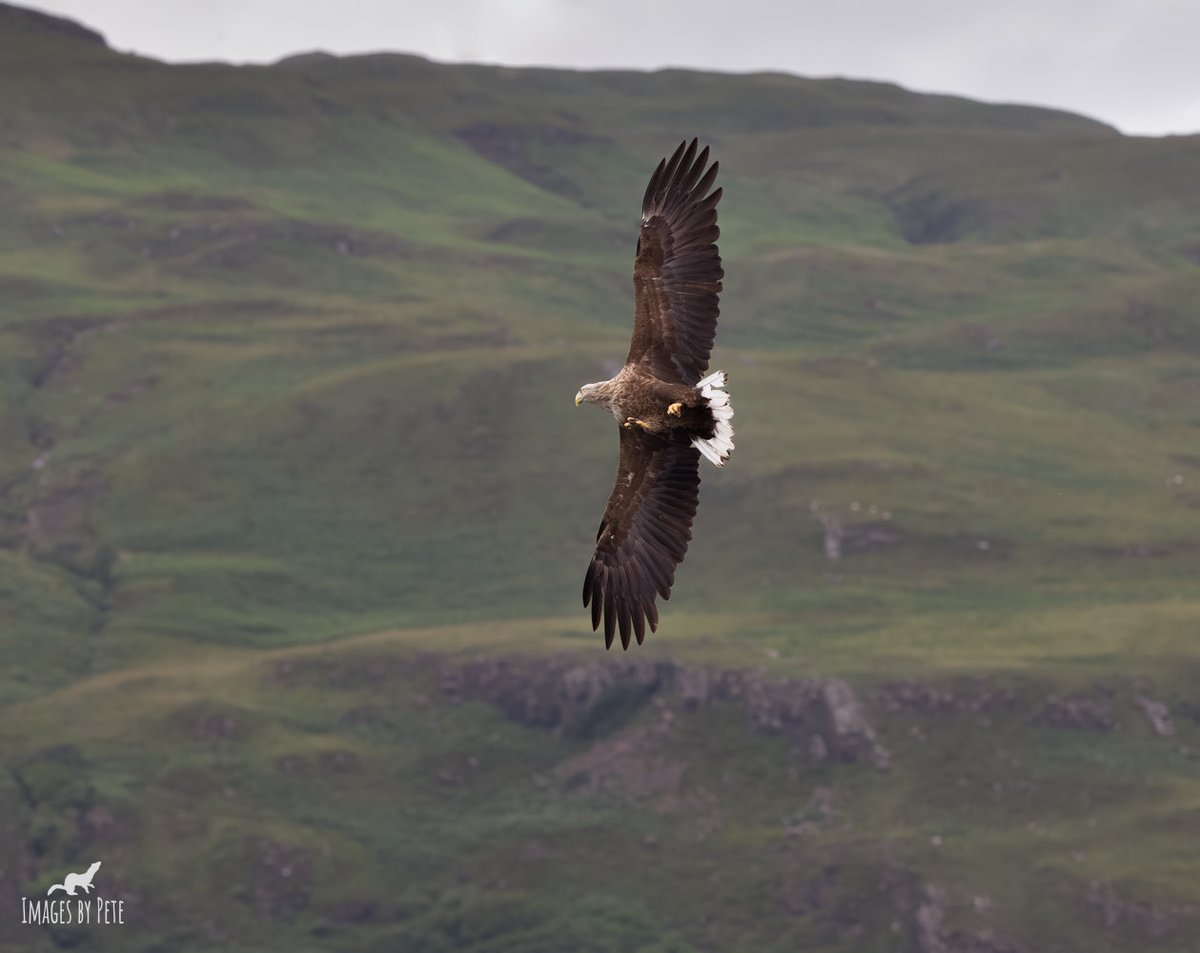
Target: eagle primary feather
669 416
677 273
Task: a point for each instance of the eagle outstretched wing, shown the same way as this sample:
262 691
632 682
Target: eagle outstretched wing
677 272
644 533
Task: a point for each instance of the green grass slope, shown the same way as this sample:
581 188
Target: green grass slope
287 356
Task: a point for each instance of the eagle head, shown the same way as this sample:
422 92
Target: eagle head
588 392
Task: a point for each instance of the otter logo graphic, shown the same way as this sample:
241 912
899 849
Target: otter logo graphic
84 910
77 880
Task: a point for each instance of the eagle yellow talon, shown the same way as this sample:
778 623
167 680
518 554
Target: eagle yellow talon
631 422
676 409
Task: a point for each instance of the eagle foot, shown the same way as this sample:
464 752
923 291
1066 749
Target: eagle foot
631 422
676 409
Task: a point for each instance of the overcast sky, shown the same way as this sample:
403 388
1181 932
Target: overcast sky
1132 63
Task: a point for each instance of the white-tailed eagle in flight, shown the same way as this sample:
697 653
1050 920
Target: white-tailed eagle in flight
669 411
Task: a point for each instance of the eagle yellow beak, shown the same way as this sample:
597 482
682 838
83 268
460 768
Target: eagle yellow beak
579 398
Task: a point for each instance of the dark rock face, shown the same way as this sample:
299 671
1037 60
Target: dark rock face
573 698
583 700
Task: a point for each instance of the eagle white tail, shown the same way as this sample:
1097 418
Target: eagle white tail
717 447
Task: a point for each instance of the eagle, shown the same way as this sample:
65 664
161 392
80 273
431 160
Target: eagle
670 411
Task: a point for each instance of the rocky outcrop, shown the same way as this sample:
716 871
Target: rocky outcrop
969 696
848 732
973 934
1094 708
1086 712
576 699
586 699
1157 714
1140 917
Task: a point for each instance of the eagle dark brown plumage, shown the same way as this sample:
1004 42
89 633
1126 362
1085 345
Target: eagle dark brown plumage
669 413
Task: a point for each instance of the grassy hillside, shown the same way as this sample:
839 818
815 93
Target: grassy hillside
287 447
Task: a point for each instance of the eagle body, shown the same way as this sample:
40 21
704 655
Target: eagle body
635 394
670 413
